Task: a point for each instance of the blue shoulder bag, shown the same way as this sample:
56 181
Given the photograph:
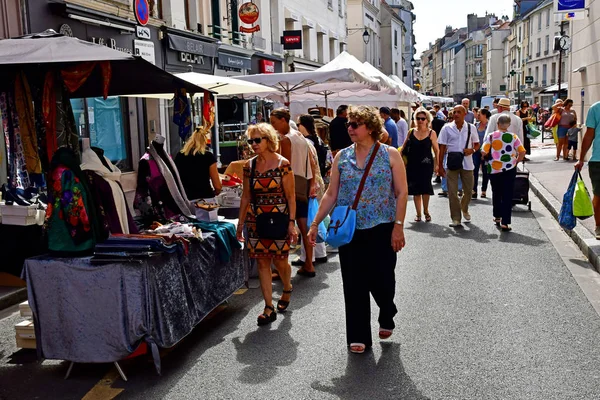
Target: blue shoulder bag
343 218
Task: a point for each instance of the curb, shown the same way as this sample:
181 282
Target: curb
13 298
583 238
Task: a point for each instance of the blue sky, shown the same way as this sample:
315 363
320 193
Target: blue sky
434 15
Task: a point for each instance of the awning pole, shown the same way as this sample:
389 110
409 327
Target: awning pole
217 149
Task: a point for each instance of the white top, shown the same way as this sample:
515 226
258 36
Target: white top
455 141
441 115
516 124
300 162
402 131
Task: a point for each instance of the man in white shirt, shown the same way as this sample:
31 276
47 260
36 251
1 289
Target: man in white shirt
458 137
470 117
401 124
516 123
439 112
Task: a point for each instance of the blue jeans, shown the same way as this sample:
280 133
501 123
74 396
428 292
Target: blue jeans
484 176
445 183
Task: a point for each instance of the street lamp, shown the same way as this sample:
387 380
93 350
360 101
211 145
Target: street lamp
366 36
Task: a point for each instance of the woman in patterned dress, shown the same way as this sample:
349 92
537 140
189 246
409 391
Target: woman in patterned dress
369 260
271 189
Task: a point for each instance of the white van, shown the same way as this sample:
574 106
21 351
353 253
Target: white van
489 101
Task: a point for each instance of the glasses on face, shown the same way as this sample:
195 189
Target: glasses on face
421 119
255 140
353 124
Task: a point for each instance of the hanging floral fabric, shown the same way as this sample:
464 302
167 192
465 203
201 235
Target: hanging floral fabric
17 171
182 115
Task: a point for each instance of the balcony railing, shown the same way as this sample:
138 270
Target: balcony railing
538 54
552 81
544 83
277 48
259 42
546 52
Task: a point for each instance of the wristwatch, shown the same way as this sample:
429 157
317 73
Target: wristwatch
398 222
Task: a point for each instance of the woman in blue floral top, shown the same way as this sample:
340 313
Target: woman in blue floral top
369 260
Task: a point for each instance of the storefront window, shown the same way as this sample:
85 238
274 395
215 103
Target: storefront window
105 124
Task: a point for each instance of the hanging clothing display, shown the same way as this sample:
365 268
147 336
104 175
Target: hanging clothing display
182 113
3 160
73 224
159 191
17 171
24 106
104 179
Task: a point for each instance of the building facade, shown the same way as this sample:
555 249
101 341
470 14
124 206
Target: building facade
12 22
393 37
323 27
365 16
584 81
404 9
495 36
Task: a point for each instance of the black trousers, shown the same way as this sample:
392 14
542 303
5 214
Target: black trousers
368 264
503 187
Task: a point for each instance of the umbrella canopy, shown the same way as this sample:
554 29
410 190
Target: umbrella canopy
221 86
564 87
314 81
41 52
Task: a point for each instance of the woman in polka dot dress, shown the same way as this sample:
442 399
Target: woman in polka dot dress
503 151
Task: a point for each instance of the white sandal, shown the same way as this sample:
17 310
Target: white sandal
360 350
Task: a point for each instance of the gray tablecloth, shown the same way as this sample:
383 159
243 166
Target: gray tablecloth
96 314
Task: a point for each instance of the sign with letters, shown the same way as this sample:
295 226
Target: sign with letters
292 40
569 6
145 49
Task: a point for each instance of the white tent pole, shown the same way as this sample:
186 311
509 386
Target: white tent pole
217 150
326 105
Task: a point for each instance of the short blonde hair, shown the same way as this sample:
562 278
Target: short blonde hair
368 116
267 132
423 110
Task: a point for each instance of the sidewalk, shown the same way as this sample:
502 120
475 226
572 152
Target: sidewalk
549 181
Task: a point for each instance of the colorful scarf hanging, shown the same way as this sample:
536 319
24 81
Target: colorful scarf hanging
18 176
182 115
75 76
208 110
24 107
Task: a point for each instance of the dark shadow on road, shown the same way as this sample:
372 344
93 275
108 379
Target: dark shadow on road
23 356
264 350
583 264
367 378
517 238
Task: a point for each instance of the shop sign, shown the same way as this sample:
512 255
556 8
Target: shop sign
266 67
292 40
569 6
191 58
66 30
231 61
248 14
142 32
145 49
142 11
111 43
192 46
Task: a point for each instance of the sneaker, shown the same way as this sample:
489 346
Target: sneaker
598 233
454 224
467 217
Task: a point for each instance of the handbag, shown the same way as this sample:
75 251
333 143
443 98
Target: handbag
406 148
532 131
582 203
552 121
302 184
313 208
566 219
269 225
455 158
343 218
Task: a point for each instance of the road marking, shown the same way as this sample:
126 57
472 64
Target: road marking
103 390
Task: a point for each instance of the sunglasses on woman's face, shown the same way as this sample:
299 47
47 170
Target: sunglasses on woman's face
354 124
421 119
256 140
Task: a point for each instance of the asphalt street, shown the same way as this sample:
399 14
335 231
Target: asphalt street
482 315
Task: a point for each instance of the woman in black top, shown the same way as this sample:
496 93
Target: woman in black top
198 168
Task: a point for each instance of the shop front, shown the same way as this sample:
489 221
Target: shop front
187 52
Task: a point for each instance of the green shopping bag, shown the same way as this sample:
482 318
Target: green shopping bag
582 203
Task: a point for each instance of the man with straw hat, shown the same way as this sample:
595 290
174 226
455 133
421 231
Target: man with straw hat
516 124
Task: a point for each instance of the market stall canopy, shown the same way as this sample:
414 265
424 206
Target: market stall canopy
221 86
564 86
130 74
314 81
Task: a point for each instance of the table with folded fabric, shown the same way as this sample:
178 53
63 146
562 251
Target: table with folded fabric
100 313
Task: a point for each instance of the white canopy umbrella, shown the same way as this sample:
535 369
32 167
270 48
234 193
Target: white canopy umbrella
220 86
323 81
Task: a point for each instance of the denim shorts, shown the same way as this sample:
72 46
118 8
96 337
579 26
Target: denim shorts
561 132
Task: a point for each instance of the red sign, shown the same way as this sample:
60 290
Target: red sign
266 67
292 40
142 11
248 14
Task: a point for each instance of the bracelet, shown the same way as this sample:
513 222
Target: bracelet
292 220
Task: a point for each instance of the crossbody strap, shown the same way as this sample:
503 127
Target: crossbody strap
468 136
365 175
252 194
